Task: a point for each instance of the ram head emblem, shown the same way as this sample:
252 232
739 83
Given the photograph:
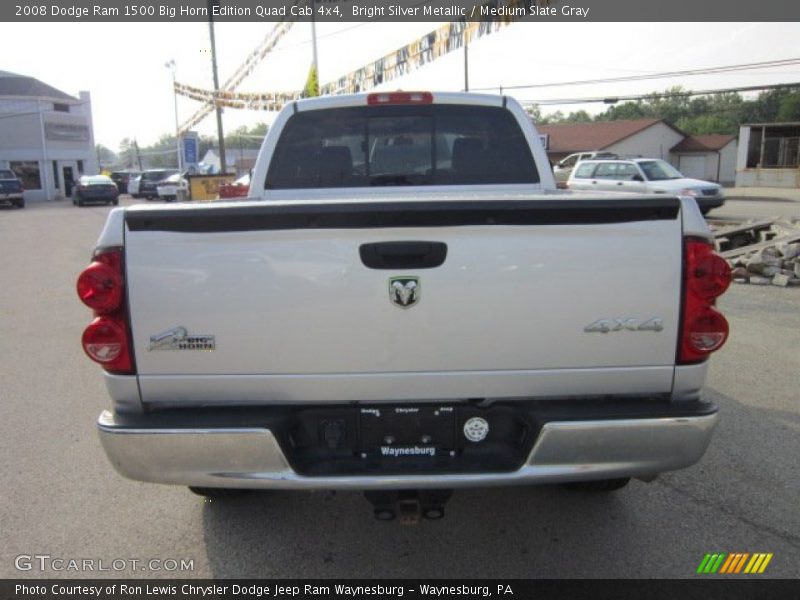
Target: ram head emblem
404 291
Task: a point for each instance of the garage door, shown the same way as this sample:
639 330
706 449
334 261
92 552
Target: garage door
693 166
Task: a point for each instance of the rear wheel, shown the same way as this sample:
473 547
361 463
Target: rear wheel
217 493
603 485
20 203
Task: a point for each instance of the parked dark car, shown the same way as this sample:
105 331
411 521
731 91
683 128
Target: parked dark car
121 178
11 188
95 189
150 180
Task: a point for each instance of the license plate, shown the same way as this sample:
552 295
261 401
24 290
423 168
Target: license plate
408 431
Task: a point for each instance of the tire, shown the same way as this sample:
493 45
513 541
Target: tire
603 485
115 202
20 203
217 493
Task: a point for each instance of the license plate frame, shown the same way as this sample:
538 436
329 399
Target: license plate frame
407 432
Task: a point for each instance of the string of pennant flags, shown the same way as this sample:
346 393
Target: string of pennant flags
418 53
242 72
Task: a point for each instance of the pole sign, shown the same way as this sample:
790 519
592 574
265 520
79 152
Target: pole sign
189 145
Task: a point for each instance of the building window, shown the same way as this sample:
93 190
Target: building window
28 173
754 148
774 147
55 173
61 107
80 167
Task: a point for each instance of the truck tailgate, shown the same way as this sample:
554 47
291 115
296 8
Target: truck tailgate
273 302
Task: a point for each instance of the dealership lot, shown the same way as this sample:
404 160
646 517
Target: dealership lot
62 499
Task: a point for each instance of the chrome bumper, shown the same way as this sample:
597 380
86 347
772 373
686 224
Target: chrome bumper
252 457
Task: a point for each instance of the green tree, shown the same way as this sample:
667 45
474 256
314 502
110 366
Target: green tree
789 108
105 157
247 137
624 111
580 116
127 154
534 112
311 88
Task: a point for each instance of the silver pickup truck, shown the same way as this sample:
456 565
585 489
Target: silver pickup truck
403 304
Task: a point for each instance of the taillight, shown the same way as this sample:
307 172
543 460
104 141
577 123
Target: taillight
105 341
399 98
101 287
705 277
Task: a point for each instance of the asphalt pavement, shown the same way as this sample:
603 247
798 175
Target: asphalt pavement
61 498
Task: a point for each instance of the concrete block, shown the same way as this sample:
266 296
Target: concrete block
780 280
758 280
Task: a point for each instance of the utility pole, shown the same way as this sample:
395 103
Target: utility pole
466 60
171 66
138 156
314 44
223 166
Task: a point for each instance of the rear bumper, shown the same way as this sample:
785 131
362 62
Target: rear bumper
707 203
570 449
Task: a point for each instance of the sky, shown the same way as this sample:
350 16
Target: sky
123 65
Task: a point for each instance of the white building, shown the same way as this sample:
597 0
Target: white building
769 155
46 136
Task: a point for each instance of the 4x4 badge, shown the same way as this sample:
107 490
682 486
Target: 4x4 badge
404 291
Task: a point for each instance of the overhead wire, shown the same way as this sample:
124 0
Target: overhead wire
686 72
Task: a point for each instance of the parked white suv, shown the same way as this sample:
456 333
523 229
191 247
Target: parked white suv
563 168
644 175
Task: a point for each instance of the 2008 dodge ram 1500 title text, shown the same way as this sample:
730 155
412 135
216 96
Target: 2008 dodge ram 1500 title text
405 302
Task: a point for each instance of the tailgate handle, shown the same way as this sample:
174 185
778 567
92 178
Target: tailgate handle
403 255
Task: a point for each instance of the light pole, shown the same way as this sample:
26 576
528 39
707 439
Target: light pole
171 66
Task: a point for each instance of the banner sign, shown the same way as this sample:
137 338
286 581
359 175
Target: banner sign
65 132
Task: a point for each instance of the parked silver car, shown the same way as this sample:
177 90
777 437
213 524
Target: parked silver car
563 168
644 175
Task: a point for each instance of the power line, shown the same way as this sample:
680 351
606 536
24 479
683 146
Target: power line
702 71
687 94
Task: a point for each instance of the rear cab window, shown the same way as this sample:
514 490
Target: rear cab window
437 144
7 174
